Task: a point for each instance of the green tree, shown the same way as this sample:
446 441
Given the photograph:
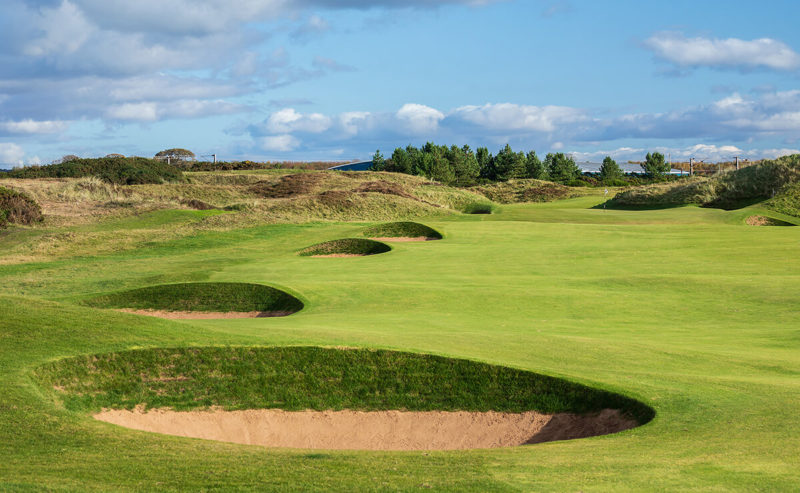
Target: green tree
533 166
654 165
561 168
378 162
509 164
610 170
175 154
400 161
485 163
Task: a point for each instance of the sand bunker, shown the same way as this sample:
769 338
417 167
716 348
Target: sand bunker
185 315
404 238
380 430
765 221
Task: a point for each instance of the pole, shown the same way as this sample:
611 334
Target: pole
215 158
737 163
691 166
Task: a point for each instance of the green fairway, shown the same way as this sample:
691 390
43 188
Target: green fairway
688 310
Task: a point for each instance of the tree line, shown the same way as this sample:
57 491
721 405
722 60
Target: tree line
463 166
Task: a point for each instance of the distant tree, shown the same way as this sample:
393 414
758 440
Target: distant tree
509 164
610 170
175 154
440 168
378 162
654 165
485 163
400 161
114 155
470 170
561 168
533 166
66 159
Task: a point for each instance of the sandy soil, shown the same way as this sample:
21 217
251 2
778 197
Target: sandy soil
383 430
403 238
339 255
202 315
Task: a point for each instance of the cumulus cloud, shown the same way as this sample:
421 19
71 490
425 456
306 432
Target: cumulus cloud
508 116
730 53
418 118
30 126
289 120
11 153
280 143
705 152
150 111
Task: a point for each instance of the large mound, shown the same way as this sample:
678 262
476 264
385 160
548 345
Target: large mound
402 229
117 170
18 208
730 190
317 379
345 247
528 190
206 300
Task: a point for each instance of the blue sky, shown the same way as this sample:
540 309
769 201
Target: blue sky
337 79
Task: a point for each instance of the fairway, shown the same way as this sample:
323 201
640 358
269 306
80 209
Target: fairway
688 310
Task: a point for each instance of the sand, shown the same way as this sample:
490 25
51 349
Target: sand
380 430
177 315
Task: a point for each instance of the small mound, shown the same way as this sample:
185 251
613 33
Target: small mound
345 247
197 204
202 300
766 221
288 186
315 397
403 230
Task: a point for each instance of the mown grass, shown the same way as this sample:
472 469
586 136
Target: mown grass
203 297
346 246
298 378
402 229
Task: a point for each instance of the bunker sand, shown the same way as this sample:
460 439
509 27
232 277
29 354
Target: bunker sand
183 315
403 238
380 430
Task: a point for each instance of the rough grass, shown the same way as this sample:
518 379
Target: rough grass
299 378
529 190
346 246
18 208
729 190
402 229
478 208
202 297
118 170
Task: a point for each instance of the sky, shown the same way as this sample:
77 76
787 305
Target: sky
337 79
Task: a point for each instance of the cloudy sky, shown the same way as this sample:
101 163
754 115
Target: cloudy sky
337 79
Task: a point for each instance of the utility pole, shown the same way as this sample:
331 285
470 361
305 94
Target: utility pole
691 166
215 158
737 163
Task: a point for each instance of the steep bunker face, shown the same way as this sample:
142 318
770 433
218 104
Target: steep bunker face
766 221
402 231
345 247
312 397
202 300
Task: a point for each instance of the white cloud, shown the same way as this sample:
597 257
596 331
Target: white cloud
30 126
418 118
11 153
150 111
734 53
705 152
508 116
280 143
289 120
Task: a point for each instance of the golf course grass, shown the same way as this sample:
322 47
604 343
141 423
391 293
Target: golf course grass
686 310
202 297
346 247
402 229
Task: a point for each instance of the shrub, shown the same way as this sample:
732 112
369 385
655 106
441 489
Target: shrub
18 208
119 171
478 208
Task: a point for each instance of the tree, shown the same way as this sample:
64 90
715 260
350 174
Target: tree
378 162
175 154
114 156
485 163
66 159
533 166
561 168
610 170
509 164
654 165
400 161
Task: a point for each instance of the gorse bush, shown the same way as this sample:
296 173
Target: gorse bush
18 208
119 171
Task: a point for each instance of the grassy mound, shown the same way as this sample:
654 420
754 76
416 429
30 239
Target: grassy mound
402 229
299 378
18 208
346 246
202 297
117 170
515 191
773 178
